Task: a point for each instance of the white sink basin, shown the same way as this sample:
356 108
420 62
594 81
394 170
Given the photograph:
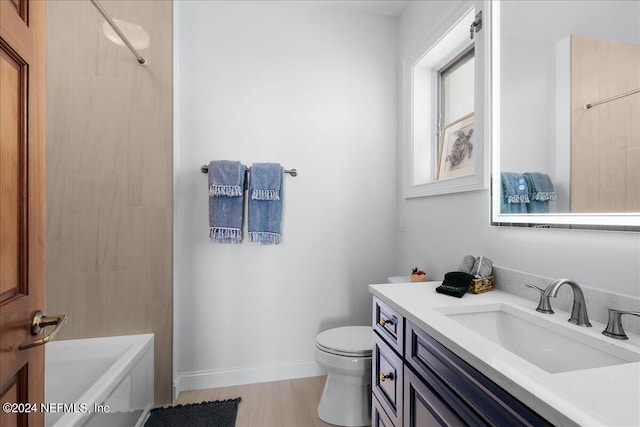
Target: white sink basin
550 346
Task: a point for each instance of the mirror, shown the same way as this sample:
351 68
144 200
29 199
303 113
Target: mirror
565 95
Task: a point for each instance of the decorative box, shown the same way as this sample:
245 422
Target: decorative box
484 284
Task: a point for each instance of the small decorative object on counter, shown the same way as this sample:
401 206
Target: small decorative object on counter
455 283
483 284
482 267
467 264
418 275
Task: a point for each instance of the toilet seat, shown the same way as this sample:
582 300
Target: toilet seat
348 341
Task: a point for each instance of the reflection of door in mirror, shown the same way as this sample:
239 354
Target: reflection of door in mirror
605 139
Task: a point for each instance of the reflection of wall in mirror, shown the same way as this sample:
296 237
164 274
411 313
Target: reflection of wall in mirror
534 118
605 139
528 113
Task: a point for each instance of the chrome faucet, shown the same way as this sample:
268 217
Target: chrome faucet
578 313
614 325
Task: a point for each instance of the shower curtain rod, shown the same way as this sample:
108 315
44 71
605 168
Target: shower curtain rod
119 32
613 98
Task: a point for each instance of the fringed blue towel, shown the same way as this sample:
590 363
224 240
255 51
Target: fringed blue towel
515 193
265 203
226 188
541 191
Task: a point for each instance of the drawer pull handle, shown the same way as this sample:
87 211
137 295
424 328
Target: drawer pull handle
384 377
384 321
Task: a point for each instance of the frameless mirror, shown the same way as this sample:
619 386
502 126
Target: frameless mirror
565 92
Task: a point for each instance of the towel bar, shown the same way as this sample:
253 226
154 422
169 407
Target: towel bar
292 172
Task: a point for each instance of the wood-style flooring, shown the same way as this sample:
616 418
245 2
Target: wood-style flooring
288 403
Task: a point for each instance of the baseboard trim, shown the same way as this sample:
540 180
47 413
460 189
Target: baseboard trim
198 380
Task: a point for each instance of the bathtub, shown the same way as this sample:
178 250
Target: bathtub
99 381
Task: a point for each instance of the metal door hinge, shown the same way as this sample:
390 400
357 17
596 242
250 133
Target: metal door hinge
476 25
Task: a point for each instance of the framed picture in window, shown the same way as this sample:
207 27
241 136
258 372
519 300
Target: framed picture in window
456 149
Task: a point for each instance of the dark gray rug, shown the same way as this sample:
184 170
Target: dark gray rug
221 413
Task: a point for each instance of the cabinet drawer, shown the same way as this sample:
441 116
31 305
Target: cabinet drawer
389 324
386 381
430 403
379 418
492 404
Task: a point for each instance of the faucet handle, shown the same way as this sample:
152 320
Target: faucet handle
532 286
614 327
544 306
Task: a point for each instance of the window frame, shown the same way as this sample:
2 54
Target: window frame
420 99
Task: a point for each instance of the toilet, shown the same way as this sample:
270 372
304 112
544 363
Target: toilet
345 353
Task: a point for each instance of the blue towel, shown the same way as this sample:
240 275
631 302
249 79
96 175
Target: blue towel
541 191
265 203
515 193
226 188
226 178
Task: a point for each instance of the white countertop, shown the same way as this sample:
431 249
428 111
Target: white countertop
607 396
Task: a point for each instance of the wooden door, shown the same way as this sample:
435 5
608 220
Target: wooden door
22 216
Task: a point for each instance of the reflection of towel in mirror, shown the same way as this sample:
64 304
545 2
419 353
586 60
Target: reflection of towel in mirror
515 193
265 203
541 191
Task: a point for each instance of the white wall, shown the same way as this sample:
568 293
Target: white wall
314 88
441 229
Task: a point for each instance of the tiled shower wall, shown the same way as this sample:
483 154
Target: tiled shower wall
109 179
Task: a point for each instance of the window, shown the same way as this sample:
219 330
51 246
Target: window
456 82
439 90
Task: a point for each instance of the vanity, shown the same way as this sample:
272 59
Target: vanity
491 359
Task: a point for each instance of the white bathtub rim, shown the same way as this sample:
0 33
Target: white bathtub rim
137 344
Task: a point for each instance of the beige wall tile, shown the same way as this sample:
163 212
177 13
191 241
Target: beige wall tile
85 242
150 160
159 322
133 284
109 176
58 299
87 317
125 318
59 193
135 250
158 252
99 221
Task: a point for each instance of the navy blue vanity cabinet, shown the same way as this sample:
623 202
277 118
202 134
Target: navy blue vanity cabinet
386 381
387 365
453 384
379 417
389 324
418 382
427 402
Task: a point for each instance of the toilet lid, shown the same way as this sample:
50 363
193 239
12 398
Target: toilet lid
346 341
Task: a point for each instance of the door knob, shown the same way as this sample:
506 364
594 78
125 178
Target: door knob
40 321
